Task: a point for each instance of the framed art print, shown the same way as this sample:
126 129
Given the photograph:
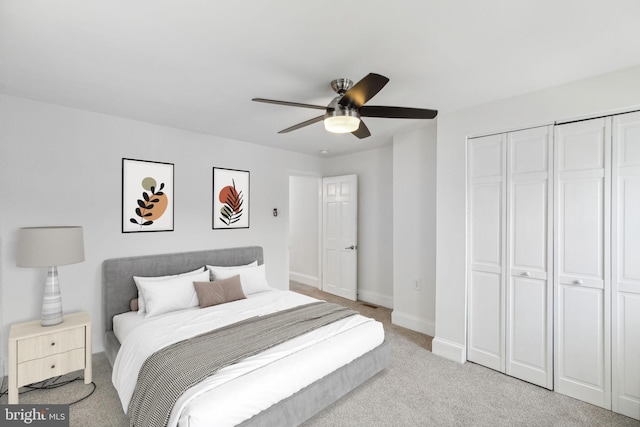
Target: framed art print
230 199
147 196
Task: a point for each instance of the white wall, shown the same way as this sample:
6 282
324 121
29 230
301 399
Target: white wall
3 337
61 166
304 229
604 94
375 220
414 229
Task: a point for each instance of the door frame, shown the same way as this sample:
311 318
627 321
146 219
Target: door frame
318 178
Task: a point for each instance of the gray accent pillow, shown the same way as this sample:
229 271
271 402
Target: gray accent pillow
219 292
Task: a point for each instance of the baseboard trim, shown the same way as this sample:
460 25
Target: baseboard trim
412 322
449 350
375 298
305 279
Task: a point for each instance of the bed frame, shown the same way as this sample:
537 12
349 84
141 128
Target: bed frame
118 288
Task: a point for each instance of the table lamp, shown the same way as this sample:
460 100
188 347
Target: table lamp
50 247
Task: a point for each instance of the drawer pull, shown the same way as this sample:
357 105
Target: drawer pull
53 366
53 343
578 282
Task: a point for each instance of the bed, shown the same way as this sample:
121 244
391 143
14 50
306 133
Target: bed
319 364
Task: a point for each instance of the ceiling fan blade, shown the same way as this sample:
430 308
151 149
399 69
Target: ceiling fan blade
303 124
290 104
397 112
362 131
363 91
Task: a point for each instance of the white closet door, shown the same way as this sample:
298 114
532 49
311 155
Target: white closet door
529 308
486 231
582 277
626 265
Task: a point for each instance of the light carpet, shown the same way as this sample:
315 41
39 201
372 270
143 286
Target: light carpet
417 389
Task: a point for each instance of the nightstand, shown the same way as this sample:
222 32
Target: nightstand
38 352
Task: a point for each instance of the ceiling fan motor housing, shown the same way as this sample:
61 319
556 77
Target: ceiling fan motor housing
341 86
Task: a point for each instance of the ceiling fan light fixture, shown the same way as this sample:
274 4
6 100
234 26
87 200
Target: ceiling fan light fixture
342 121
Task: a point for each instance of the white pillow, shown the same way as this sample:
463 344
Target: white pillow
141 302
177 293
211 268
253 279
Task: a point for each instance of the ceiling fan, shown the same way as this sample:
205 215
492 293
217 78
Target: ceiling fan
343 113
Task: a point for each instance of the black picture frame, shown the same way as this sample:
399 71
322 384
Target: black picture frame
148 197
231 194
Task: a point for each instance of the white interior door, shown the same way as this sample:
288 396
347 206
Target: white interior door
582 272
529 293
486 231
339 236
626 265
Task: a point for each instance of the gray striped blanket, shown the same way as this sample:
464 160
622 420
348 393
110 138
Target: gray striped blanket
167 373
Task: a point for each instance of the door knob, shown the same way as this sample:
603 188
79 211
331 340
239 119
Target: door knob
578 282
352 247
526 274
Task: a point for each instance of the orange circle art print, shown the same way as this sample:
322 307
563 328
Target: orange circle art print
230 198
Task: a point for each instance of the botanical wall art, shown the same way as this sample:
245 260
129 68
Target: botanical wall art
147 196
230 198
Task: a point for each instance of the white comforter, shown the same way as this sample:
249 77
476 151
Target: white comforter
238 392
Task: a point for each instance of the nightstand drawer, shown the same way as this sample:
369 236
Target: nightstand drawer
49 344
50 366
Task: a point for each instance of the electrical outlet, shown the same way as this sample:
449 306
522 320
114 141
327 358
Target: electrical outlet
416 285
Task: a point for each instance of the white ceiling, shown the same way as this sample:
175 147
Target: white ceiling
196 64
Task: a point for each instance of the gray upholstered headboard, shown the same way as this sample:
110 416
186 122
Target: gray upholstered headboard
118 287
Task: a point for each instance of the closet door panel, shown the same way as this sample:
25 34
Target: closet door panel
485 284
485 320
627 355
626 265
529 338
486 156
627 127
486 253
529 227
529 292
628 255
486 228
581 216
581 355
582 146
529 150
582 261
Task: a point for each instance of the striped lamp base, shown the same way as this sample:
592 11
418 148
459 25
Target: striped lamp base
52 302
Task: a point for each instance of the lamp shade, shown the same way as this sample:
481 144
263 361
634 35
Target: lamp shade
50 246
